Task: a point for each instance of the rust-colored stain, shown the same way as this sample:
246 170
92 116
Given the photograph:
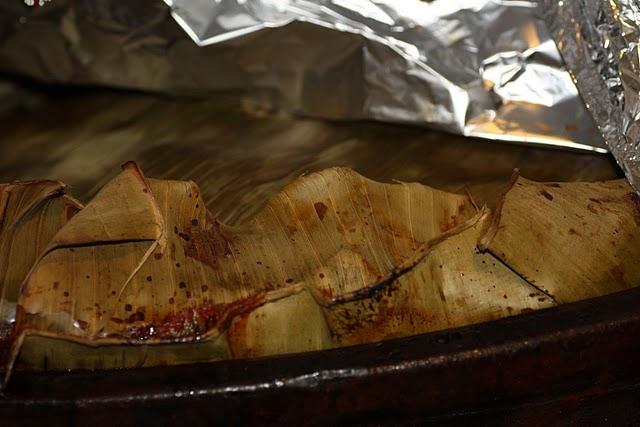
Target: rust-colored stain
237 338
321 209
327 292
450 224
634 199
82 324
138 316
454 220
573 232
618 274
207 245
191 323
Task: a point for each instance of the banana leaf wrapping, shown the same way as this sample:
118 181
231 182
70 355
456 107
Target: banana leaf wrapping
144 275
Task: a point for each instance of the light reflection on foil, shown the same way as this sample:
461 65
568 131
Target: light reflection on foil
599 42
474 67
479 68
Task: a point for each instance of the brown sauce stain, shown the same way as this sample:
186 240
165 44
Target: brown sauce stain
321 209
453 222
209 244
138 316
327 292
618 275
237 338
546 195
634 200
573 232
193 322
81 324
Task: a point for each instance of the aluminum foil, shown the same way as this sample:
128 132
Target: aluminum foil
599 42
485 68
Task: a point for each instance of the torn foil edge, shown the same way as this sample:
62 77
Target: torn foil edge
599 43
483 68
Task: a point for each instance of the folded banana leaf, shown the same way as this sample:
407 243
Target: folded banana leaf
144 275
573 240
144 262
30 215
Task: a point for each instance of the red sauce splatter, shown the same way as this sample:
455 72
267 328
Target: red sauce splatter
193 322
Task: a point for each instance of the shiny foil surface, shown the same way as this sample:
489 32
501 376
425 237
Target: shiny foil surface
484 68
599 42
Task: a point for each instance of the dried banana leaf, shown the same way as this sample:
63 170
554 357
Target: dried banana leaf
145 262
30 215
290 325
572 240
145 276
454 285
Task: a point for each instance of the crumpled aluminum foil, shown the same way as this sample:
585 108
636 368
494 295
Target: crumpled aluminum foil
482 68
599 42
485 68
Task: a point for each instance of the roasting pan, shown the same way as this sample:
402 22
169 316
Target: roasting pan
573 364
